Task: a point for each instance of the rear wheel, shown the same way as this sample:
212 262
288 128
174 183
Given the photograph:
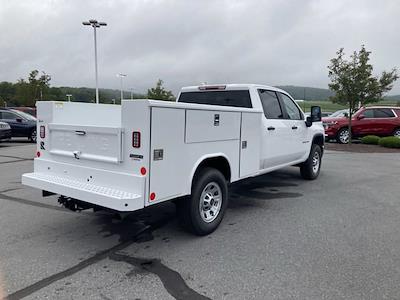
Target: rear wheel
203 210
343 136
396 132
32 136
311 167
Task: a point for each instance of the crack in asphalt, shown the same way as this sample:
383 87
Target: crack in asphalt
17 157
171 279
24 292
13 161
3 196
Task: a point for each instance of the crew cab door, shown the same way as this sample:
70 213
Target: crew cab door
275 131
364 125
293 117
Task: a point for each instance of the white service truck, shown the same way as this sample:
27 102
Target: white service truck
127 157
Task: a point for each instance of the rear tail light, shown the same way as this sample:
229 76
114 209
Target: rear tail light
136 139
42 132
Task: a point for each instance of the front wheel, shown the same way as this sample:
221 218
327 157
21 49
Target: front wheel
343 136
311 167
202 212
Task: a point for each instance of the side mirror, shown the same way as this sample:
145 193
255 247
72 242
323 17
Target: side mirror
315 116
360 116
19 120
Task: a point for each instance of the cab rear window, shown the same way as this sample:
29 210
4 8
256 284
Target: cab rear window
239 98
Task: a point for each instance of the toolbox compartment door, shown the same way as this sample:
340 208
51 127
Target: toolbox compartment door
167 148
96 143
210 126
250 144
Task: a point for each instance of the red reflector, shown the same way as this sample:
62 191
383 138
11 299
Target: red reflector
38 154
42 132
143 171
152 196
212 87
136 139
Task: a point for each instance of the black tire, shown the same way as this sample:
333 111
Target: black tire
308 169
396 132
340 137
33 136
189 209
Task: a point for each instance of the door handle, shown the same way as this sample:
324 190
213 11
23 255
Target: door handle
294 127
271 128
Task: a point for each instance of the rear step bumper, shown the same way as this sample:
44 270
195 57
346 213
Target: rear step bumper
108 197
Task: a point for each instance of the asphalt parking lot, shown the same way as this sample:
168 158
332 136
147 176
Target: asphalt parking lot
282 238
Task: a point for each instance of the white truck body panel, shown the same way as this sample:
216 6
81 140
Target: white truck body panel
87 151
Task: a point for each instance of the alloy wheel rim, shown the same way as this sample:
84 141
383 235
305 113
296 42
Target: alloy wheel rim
344 136
397 133
315 162
210 202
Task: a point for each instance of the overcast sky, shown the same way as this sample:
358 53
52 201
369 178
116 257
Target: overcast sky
191 41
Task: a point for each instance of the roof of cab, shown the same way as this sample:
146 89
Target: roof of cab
230 86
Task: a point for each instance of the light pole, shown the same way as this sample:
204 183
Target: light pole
121 76
69 97
131 89
95 25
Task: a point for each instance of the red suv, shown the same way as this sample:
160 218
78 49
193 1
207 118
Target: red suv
381 121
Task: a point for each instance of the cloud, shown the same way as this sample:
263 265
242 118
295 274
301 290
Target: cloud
187 42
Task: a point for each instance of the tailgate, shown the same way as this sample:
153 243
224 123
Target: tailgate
96 143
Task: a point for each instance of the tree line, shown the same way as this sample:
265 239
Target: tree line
25 92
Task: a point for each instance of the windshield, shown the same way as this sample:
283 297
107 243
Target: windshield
25 115
339 113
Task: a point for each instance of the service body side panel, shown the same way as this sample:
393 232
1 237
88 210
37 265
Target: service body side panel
167 168
250 144
178 149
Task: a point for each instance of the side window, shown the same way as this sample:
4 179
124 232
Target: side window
292 110
5 115
383 113
271 106
368 113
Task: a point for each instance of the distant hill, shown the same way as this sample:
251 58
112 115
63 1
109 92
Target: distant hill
307 93
312 94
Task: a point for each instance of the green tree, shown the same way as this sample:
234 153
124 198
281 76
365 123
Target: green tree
353 82
160 93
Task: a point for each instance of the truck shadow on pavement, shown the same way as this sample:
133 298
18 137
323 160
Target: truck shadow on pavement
248 192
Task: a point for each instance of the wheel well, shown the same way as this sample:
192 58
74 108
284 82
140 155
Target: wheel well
319 140
220 163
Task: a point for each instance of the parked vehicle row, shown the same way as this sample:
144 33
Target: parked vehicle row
380 121
21 123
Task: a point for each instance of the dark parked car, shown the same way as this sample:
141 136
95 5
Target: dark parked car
381 121
22 124
5 131
26 109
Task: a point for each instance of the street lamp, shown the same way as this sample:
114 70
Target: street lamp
121 76
95 25
69 97
131 89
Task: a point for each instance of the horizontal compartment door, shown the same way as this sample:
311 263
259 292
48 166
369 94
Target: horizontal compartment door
102 144
209 126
